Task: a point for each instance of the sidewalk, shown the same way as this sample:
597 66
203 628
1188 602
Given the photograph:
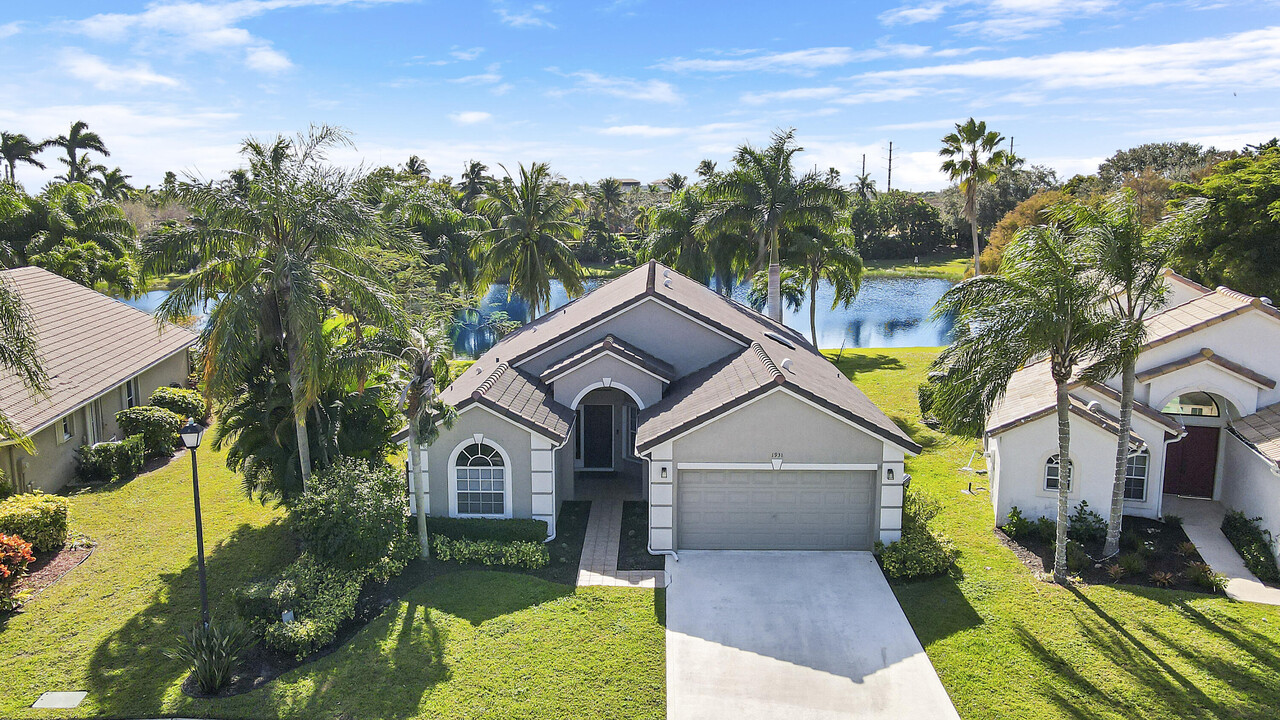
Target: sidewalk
599 564
1202 522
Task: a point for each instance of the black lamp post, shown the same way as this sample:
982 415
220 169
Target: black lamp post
191 435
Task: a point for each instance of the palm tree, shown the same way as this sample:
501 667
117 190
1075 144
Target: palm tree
706 169
676 239
18 148
1130 260
610 196
425 364
113 184
449 233
762 196
82 172
78 139
973 158
832 257
417 166
1042 307
864 187
277 246
532 226
474 181
675 182
19 355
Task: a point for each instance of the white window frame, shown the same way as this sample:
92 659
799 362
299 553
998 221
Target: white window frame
633 425
1145 477
1053 462
132 393
508 471
68 428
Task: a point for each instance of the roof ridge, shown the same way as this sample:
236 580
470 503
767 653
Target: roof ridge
768 363
1237 295
490 381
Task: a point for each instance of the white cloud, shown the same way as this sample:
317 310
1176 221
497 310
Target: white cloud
627 88
267 60
470 117
912 14
93 69
806 93
531 16
468 54
799 62
648 131
10 29
489 77
875 96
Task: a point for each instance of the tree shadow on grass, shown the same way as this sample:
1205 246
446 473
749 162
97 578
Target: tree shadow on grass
853 364
936 608
129 673
480 596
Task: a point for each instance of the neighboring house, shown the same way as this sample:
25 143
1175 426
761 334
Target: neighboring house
101 356
734 428
629 184
1206 420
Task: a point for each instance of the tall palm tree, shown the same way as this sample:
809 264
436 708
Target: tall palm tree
113 184
82 172
417 166
425 364
18 148
79 139
609 194
762 196
829 256
973 157
528 243
449 233
19 354
1129 258
1044 306
676 239
277 247
675 182
474 181
706 169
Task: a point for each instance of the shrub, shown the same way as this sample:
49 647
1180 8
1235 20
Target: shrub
512 530
1077 559
1018 526
1115 571
1204 576
131 454
321 599
15 556
352 514
1174 520
1046 529
1085 525
212 653
107 461
157 426
1186 548
5 488
1163 578
1133 563
37 518
922 551
517 553
185 403
1252 542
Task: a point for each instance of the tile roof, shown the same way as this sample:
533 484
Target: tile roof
89 343
1262 431
1209 356
519 396
617 346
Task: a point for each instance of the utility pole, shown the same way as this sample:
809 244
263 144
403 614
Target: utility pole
889 184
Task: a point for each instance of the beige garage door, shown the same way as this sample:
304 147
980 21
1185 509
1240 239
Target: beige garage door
774 510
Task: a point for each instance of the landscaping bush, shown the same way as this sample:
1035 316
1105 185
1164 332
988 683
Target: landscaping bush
37 518
1085 525
517 553
131 454
1018 526
1132 563
1252 542
1204 576
157 426
185 403
1046 529
212 653
512 530
922 551
321 599
5 488
15 556
107 461
1077 559
352 514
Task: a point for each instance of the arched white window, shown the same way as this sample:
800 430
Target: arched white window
480 480
1135 476
1053 473
1193 403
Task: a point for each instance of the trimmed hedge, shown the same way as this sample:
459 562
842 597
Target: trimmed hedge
107 461
158 427
186 403
37 518
513 530
1253 543
518 553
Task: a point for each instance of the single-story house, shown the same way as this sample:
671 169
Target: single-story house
101 356
737 431
1206 420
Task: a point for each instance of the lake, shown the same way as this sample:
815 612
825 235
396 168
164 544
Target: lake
889 312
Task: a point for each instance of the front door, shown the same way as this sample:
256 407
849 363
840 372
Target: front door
1192 462
597 437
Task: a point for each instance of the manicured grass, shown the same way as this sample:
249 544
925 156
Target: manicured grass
948 266
459 645
605 270
1009 646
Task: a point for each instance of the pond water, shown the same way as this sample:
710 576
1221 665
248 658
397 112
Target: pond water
889 312
149 302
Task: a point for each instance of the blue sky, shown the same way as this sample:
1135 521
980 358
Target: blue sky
638 88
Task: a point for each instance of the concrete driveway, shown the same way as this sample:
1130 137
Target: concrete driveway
793 635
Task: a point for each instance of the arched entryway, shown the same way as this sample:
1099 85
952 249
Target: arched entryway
1193 464
604 438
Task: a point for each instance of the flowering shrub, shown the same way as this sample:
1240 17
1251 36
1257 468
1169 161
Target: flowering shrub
37 518
15 556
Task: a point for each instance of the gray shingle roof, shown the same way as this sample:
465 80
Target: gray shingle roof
518 396
89 343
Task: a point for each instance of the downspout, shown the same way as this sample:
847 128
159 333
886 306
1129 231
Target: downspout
1167 442
557 449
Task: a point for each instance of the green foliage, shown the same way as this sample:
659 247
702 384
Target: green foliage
1085 525
212 653
37 518
157 426
186 403
898 224
956 418
1132 563
1178 161
1204 576
922 551
1017 526
108 461
15 556
503 531
321 599
1046 529
1077 559
352 514
517 553
1253 543
130 455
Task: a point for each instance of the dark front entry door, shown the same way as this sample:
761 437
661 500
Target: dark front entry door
597 436
1192 462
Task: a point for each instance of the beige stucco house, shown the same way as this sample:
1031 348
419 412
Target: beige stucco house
1206 420
101 356
734 428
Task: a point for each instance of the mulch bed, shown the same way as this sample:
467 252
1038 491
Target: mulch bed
633 547
50 567
1156 541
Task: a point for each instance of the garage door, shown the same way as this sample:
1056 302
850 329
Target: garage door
774 510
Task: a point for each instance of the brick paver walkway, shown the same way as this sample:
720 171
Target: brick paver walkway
599 564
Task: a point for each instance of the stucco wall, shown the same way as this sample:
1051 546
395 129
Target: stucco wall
646 387
1250 486
512 438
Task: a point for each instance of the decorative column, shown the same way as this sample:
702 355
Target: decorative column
542 461
662 478
892 474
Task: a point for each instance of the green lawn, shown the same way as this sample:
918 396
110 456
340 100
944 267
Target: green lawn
948 266
1010 646
460 645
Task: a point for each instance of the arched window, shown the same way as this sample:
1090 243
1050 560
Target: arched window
480 475
1135 476
1192 403
1053 473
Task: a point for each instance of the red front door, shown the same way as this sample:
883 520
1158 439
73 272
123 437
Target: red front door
1192 462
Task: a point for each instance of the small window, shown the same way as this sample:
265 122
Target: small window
68 427
131 394
481 479
1053 473
1193 403
633 422
1135 476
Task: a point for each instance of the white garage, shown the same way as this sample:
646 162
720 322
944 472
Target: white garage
735 509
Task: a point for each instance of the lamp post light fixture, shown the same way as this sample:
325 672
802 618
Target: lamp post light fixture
191 435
